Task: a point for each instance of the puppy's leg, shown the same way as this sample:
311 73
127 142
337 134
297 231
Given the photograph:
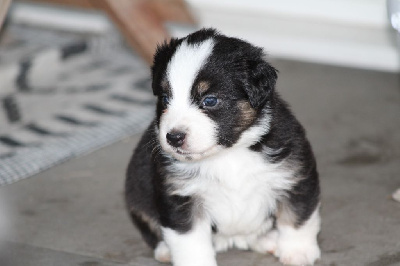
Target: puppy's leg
192 248
297 245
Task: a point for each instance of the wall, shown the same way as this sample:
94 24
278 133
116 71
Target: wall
353 33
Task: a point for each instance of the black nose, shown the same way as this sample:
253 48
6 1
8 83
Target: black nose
176 138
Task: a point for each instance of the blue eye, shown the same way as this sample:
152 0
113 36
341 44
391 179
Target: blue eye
165 100
210 101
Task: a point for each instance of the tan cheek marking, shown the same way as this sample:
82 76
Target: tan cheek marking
202 87
247 115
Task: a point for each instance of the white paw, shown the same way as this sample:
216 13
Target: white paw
162 252
266 243
221 243
298 253
241 242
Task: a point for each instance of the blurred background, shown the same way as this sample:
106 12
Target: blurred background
75 77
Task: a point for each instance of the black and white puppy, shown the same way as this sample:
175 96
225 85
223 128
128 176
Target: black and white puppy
224 163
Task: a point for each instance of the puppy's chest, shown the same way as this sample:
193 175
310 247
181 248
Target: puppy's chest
238 190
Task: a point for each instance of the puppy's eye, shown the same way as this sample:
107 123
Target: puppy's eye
209 101
165 99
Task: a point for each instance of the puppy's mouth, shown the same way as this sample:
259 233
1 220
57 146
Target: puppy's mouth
195 155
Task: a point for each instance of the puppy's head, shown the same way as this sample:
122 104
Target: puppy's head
212 92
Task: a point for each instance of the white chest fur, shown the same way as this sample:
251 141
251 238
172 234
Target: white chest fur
238 189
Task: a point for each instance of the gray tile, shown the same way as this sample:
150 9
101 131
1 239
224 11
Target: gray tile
78 207
24 255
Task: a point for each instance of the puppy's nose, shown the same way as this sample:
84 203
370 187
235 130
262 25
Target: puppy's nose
176 138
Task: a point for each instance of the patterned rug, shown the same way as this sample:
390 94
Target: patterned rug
63 95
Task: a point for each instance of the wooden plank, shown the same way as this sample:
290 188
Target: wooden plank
140 21
172 10
4 6
69 3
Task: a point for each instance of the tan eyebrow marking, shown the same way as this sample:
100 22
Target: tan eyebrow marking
202 87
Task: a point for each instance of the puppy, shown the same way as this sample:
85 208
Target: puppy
224 163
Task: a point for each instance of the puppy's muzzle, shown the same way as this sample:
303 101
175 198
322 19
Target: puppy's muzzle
176 138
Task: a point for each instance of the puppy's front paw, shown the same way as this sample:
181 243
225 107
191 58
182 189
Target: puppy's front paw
266 243
298 253
222 243
162 253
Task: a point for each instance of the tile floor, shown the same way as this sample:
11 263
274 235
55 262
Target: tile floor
73 214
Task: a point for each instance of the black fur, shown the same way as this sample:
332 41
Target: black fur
146 190
289 138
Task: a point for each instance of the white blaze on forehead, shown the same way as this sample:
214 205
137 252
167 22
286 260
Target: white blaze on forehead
185 65
181 114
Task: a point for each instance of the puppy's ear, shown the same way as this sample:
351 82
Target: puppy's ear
261 82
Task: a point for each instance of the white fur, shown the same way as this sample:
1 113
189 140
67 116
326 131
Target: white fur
193 248
184 67
299 246
181 115
266 243
162 252
238 190
254 241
